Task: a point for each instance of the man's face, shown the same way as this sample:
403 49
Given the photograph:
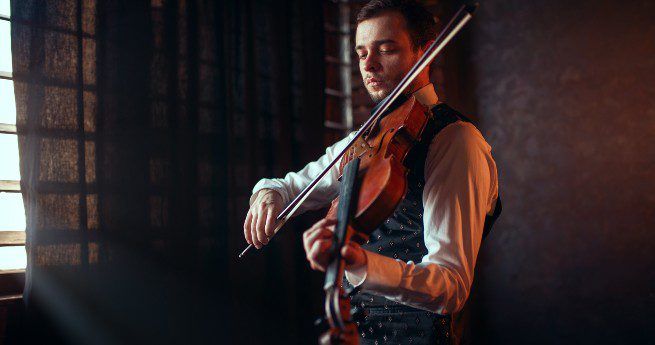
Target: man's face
385 53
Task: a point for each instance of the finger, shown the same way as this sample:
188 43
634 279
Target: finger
318 234
261 221
270 223
318 250
246 228
329 223
313 229
319 255
253 231
352 253
325 222
305 238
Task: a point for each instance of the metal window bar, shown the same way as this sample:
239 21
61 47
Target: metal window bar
343 61
7 128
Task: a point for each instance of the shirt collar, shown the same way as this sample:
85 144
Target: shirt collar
427 96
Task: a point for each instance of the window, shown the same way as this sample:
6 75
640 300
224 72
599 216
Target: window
12 212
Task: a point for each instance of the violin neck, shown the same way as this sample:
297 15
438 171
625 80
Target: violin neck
347 204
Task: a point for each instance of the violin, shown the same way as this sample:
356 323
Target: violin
373 179
373 183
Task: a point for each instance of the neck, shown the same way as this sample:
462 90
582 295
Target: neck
415 87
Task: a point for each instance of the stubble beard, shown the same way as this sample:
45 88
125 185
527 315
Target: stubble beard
377 97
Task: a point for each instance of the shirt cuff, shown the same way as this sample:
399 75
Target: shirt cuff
357 277
380 275
274 184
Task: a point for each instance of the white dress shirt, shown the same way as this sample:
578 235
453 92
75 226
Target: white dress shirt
461 188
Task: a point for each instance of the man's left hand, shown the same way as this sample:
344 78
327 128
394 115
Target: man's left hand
317 241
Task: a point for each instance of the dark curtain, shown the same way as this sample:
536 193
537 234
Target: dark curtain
142 128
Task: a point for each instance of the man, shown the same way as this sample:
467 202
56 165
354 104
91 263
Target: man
417 268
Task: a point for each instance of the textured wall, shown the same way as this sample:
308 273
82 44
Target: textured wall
565 94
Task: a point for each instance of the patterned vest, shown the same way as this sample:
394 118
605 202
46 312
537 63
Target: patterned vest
380 320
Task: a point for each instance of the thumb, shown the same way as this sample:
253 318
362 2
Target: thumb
353 254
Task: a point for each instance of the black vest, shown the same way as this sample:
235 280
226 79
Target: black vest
401 237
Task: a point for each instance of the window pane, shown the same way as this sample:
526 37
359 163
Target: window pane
9 157
7 102
12 212
4 8
5 47
13 258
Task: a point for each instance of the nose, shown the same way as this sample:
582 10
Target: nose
371 63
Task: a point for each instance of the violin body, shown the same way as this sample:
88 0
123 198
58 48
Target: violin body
382 177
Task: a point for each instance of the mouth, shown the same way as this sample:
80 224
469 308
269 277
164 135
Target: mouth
374 82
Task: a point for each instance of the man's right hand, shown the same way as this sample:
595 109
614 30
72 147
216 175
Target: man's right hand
259 225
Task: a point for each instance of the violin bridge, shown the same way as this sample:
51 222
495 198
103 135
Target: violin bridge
360 147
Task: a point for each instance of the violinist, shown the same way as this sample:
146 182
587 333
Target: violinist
417 268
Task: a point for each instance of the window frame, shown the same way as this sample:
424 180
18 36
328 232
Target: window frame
12 282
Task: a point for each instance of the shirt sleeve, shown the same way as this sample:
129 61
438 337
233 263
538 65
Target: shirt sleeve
294 182
460 189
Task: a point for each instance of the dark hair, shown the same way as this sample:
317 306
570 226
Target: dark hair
420 23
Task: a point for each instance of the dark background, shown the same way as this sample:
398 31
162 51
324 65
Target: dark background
565 95
144 125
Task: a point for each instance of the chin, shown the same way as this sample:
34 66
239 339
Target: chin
378 95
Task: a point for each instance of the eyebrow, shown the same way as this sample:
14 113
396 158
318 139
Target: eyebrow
378 42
